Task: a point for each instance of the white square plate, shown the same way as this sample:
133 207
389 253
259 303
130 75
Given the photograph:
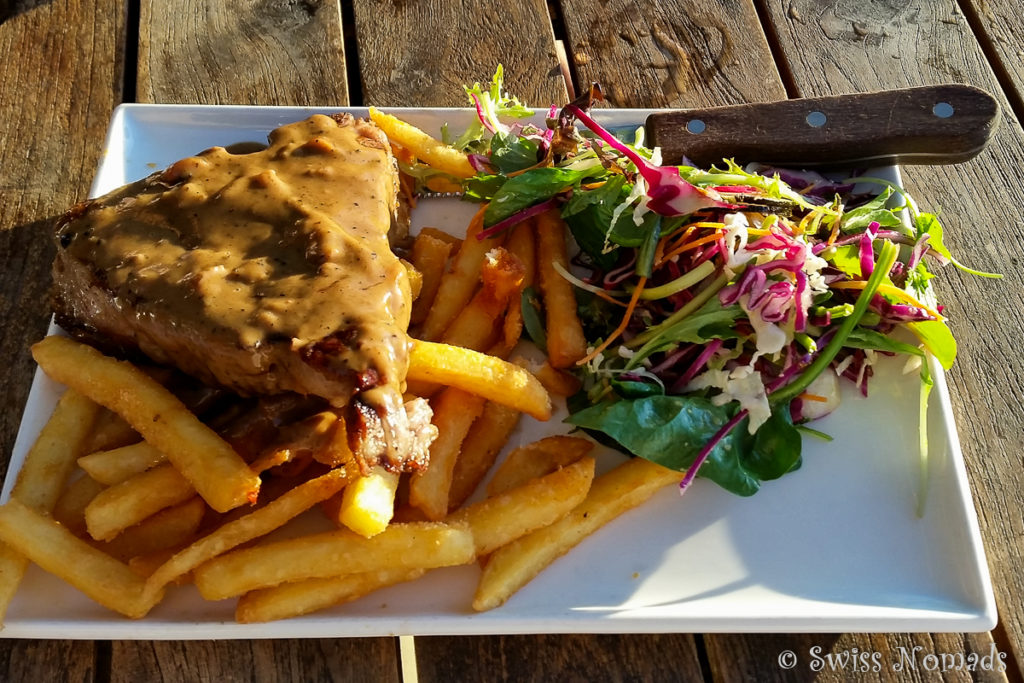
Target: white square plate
835 546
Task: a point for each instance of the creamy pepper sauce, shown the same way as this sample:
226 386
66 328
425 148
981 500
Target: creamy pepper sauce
285 245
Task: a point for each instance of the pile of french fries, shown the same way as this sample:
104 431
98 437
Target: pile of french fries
127 493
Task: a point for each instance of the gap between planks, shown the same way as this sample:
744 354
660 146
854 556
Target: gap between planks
408 672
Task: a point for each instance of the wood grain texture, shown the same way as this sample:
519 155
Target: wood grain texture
866 658
837 47
54 661
558 658
286 52
255 661
678 53
50 143
999 25
421 53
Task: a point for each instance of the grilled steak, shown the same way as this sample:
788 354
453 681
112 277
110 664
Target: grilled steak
265 272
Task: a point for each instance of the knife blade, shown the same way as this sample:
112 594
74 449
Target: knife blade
936 124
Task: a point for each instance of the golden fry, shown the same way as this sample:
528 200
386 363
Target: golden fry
460 281
302 597
434 152
114 466
133 500
514 565
48 544
557 382
70 507
502 282
244 529
40 481
219 475
566 343
172 527
454 413
500 520
536 460
485 439
443 236
416 545
430 256
110 431
479 374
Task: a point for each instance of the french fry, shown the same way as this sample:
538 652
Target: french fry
485 439
557 382
244 529
454 413
40 481
500 520
460 281
110 431
522 242
114 466
48 544
422 545
134 499
303 597
443 236
501 278
479 374
70 507
536 460
430 256
50 460
219 475
566 343
170 528
368 502
514 565
434 152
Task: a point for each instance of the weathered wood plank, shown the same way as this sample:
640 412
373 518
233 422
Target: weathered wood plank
48 660
831 658
421 53
254 661
847 47
681 53
241 52
558 658
50 142
1000 27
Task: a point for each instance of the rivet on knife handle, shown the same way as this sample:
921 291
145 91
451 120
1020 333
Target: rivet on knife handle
940 124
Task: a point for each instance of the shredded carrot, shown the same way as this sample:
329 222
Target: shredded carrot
813 397
674 245
540 164
622 326
890 290
835 233
693 245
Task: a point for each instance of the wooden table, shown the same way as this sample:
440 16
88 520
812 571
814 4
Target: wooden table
66 64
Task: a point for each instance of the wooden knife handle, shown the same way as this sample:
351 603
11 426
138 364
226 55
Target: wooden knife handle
939 124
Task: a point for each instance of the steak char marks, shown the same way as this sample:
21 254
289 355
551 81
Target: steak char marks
266 273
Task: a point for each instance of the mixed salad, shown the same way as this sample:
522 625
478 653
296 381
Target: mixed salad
721 306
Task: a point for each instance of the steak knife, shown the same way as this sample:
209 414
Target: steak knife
935 124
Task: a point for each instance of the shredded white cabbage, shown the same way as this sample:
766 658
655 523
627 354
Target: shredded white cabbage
743 385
